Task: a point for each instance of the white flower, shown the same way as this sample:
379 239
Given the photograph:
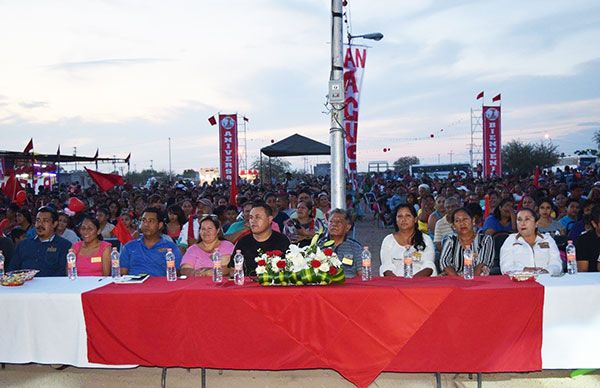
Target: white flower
261 269
335 261
324 267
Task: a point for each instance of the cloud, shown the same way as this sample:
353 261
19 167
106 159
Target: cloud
33 104
589 124
85 65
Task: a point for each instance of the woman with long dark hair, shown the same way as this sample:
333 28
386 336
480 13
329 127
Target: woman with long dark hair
407 237
93 254
176 219
503 218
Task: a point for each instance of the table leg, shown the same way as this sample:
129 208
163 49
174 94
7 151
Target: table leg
479 380
163 378
203 377
438 379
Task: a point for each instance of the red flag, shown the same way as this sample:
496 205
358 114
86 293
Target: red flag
480 95
12 187
105 182
536 177
190 234
497 98
121 232
234 191
212 120
28 147
486 211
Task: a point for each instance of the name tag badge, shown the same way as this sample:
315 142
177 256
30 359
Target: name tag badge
347 261
544 245
97 259
162 250
51 249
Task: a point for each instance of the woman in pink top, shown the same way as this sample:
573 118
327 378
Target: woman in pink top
93 255
197 261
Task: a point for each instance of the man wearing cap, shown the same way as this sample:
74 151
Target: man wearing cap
186 238
47 252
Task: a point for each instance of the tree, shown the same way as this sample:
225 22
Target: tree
597 138
402 164
520 158
190 174
272 167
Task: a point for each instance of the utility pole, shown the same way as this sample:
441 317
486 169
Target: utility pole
336 99
75 154
451 153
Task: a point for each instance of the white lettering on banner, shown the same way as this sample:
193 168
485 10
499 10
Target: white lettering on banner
354 65
228 146
492 125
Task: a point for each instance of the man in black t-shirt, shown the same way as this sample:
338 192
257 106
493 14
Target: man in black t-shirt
588 245
262 238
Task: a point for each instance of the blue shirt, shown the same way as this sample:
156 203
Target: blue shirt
567 222
348 247
493 223
49 256
139 259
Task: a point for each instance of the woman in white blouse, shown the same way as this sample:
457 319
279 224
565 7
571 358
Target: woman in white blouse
528 250
407 236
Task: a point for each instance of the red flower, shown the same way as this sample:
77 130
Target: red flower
277 252
315 263
262 262
332 270
269 253
281 264
328 251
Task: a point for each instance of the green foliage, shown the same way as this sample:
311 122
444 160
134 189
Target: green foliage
402 164
588 151
596 138
190 174
140 178
275 167
521 158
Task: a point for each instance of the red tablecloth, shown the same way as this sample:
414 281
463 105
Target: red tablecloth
360 329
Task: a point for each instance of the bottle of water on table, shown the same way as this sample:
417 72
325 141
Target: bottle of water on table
115 264
468 264
171 270
366 264
571 258
408 263
71 265
238 268
1 264
217 270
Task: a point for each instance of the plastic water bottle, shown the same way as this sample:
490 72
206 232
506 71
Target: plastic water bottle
115 264
217 271
238 269
468 263
571 258
171 270
366 264
1 264
408 263
71 265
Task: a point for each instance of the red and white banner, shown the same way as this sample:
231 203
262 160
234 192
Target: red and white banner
354 68
492 146
228 146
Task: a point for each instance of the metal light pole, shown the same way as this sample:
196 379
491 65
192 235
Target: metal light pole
336 99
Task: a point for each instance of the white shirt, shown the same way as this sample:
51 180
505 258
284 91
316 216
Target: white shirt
517 254
392 257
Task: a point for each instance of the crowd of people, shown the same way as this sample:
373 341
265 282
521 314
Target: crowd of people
509 223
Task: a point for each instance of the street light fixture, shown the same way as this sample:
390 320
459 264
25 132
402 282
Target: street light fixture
377 36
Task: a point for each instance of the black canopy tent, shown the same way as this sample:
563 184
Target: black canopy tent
295 145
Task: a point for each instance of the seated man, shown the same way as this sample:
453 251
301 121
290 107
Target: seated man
347 249
588 245
46 252
147 253
262 237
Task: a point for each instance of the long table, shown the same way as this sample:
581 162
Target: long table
359 329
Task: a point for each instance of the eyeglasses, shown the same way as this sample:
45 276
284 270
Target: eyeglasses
205 217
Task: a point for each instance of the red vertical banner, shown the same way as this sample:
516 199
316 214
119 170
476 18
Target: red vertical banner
228 146
492 146
354 67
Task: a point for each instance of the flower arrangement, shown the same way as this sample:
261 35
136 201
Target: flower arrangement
299 266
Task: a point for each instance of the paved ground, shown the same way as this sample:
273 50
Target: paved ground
43 376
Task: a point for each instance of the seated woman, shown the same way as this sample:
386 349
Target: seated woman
197 259
176 219
547 224
407 236
528 250
502 219
301 228
482 246
63 228
93 255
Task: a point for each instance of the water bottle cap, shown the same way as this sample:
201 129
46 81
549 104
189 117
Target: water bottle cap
114 249
366 247
71 250
169 250
569 241
238 251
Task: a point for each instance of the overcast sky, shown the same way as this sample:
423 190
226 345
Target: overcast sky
124 75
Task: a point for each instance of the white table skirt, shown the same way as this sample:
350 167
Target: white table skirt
42 321
571 336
